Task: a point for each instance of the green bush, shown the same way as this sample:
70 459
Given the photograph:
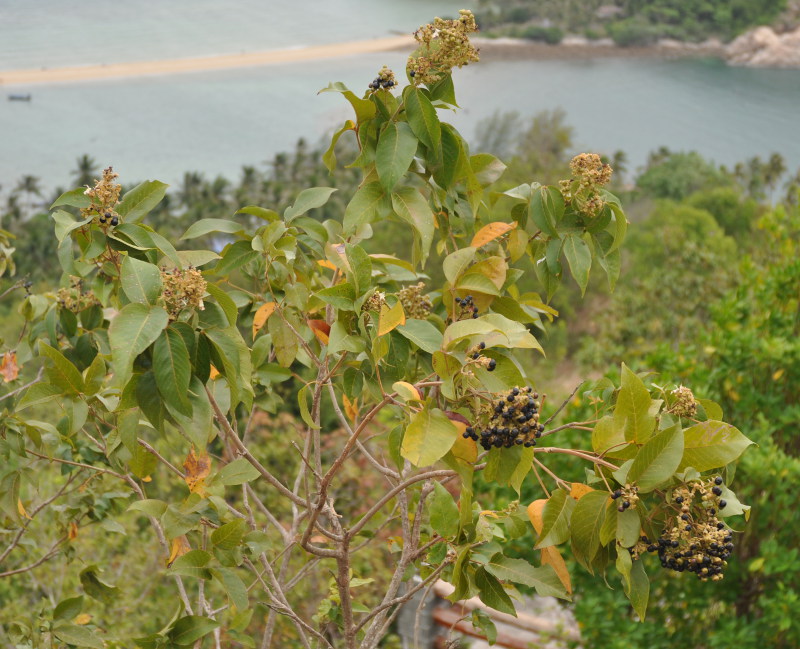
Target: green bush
549 35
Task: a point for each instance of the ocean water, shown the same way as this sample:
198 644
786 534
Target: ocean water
214 122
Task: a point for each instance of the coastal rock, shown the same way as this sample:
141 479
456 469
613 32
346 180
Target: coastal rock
763 48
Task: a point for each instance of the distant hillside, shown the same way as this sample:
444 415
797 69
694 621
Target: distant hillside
628 22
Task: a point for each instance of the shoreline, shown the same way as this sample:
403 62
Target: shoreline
134 69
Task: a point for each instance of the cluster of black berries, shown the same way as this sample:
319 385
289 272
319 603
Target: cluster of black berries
475 354
385 80
629 495
108 217
467 308
696 540
513 420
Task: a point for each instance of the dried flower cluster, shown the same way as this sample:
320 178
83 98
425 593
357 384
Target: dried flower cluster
415 304
374 302
444 45
685 404
513 420
628 495
105 196
74 298
589 175
182 288
694 539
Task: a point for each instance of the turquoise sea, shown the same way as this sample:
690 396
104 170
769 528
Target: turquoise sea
214 122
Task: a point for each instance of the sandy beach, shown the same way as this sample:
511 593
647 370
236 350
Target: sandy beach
201 64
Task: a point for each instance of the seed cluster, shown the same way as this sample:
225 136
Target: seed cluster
513 420
695 540
74 298
105 196
466 308
589 174
374 302
629 496
685 404
415 304
182 288
385 80
444 45
475 357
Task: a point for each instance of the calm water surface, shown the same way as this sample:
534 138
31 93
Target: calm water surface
159 127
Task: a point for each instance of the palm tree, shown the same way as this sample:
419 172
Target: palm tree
30 186
86 170
191 188
775 168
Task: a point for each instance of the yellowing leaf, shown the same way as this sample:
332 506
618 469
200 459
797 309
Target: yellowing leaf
326 264
390 318
350 407
214 373
8 367
407 391
777 375
83 618
535 510
197 468
465 449
491 232
551 556
578 490
321 329
72 531
180 546
262 315
21 510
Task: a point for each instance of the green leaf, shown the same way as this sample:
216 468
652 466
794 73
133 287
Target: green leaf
543 579
632 411
65 223
234 587
191 628
639 591
657 460
308 199
63 374
492 593
546 209
364 108
237 472
579 258
457 262
340 296
141 281
140 200
412 207
149 506
587 519
73 198
363 207
361 267
78 636
482 621
95 587
329 157
423 334
394 154
207 226
555 519
229 535
423 119
172 370
628 527
68 609
192 564
443 512
712 444
429 436
133 330
225 301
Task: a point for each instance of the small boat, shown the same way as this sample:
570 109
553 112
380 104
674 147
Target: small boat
19 97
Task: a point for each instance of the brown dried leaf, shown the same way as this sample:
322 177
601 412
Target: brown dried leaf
8 367
197 468
552 556
535 510
72 531
321 329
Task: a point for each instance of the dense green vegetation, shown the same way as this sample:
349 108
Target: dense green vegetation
628 22
707 294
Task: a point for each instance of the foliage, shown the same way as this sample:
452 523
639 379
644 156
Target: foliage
634 22
163 365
